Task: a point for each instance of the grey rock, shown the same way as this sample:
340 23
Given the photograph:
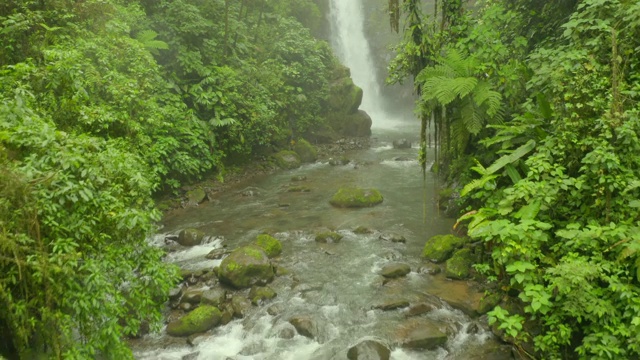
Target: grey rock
369 349
397 270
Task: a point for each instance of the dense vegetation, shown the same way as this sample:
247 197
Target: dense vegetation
106 103
544 95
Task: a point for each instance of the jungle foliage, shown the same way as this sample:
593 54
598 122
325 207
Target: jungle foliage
555 91
106 103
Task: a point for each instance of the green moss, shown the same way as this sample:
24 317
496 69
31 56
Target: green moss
272 246
258 294
199 320
356 198
196 196
255 253
231 265
459 266
305 150
286 159
440 247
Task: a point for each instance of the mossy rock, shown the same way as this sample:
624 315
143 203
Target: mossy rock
196 196
305 151
245 267
190 237
261 293
357 124
328 237
271 246
440 247
299 189
488 302
345 97
199 320
459 265
362 230
356 198
287 159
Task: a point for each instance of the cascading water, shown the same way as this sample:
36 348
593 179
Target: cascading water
352 48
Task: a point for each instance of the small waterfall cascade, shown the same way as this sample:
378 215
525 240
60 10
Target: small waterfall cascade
352 47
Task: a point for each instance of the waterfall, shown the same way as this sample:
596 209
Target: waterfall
351 45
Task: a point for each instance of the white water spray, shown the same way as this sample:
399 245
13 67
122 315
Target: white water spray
352 48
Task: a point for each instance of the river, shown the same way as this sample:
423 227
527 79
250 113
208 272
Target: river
337 285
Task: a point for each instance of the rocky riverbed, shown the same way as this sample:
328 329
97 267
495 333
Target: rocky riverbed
348 283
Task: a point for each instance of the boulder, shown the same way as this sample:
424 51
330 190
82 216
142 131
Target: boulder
328 237
271 246
245 267
357 124
392 271
199 320
305 326
356 198
392 305
440 247
458 294
287 160
459 265
240 306
344 96
192 296
362 230
420 308
422 335
402 144
369 349
305 151
190 237
196 196
261 293
215 297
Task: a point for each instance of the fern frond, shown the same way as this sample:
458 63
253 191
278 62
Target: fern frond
148 39
435 71
441 89
459 135
472 117
463 86
477 183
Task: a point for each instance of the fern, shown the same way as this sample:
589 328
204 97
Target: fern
148 39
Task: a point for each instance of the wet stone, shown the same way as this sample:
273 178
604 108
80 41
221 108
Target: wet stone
369 349
393 271
419 309
392 305
175 293
304 325
215 297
